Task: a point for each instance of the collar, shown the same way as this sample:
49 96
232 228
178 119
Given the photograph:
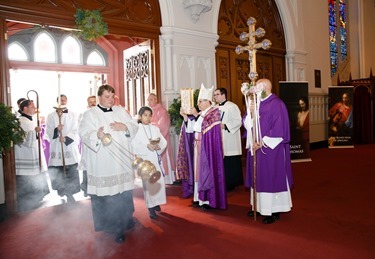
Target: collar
64 111
104 109
27 116
221 104
263 99
203 113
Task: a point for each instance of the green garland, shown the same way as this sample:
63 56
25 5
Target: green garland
90 24
10 129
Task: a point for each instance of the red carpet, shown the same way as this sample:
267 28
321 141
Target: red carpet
332 217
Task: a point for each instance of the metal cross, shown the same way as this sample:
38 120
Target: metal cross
253 113
252 46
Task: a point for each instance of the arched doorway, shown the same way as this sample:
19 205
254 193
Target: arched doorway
126 22
232 69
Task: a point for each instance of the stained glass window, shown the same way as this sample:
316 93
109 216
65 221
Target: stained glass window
343 45
337 33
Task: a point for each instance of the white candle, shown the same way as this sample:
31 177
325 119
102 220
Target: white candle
59 90
96 78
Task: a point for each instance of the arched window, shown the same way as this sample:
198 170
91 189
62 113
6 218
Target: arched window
44 48
337 33
17 52
57 46
71 51
95 59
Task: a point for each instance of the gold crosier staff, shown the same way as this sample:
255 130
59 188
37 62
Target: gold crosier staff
252 47
38 124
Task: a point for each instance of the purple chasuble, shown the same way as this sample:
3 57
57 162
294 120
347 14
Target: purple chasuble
273 165
211 182
185 161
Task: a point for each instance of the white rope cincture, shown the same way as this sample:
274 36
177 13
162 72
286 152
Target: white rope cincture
253 96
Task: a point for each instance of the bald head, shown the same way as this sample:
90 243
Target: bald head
267 85
152 100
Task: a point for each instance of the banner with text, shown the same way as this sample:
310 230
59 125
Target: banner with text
296 98
340 115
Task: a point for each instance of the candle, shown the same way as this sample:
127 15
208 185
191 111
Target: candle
59 90
96 79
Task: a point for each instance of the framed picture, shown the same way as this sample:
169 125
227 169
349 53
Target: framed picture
187 99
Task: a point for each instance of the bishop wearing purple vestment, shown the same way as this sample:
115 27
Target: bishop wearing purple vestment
200 162
273 166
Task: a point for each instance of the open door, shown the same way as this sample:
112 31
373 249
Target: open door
138 76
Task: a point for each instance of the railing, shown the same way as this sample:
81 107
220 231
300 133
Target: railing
318 108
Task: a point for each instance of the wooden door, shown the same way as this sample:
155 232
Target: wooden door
233 69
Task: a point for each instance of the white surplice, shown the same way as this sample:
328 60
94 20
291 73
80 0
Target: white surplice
154 193
70 129
109 168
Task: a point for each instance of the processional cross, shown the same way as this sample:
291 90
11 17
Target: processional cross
252 92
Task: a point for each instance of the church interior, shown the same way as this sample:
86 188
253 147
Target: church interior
163 46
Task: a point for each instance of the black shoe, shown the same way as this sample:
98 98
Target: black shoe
120 238
130 224
271 219
152 213
206 207
157 208
251 214
195 204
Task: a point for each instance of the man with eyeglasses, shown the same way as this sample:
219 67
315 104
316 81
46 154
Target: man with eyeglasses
231 122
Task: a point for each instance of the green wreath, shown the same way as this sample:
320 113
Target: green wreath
90 24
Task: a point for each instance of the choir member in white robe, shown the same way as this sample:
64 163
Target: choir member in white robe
231 122
154 193
65 182
110 177
31 177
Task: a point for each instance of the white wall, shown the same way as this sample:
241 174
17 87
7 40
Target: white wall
368 50
187 49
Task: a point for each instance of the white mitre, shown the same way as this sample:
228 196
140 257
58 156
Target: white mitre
206 94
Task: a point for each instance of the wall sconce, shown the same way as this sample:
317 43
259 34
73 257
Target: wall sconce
197 7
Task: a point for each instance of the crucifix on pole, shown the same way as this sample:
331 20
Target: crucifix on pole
252 93
252 46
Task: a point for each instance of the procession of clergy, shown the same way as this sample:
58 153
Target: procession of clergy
105 141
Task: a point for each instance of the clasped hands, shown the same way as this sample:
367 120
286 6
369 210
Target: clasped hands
153 147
